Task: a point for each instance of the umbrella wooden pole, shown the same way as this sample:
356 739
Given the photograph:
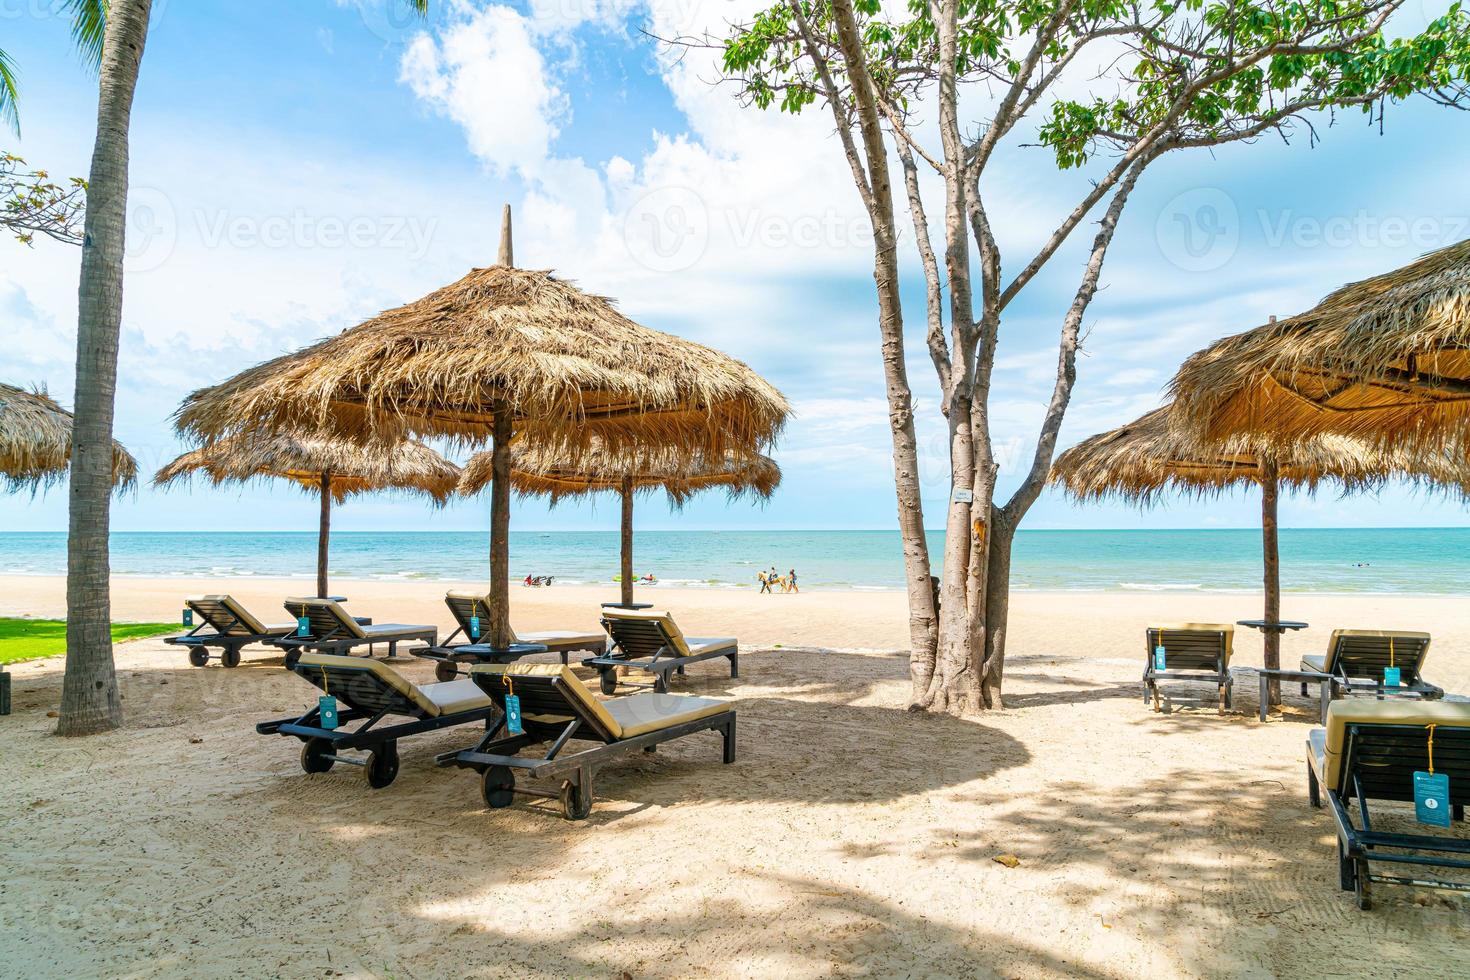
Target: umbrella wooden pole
627 536
1270 488
324 536
500 635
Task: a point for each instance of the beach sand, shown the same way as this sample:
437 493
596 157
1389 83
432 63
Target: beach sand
850 839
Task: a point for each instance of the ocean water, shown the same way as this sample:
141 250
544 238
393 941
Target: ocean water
1361 560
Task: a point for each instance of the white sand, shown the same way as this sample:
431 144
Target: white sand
851 838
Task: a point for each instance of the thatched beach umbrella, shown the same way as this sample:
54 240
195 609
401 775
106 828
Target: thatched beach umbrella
333 468
1155 455
502 352
538 472
1386 359
35 442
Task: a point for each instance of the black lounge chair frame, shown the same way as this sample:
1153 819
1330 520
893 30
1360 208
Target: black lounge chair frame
222 620
322 747
448 655
1369 663
646 645
1198 659
1379 762
494 756
331 636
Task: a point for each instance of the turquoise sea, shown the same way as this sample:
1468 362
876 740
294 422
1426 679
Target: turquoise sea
1361 560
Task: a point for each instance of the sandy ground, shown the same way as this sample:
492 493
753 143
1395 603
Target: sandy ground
850 839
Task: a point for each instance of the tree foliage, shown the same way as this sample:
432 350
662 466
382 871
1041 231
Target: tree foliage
31 203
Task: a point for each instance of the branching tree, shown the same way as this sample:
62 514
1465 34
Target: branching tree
32 204
1158 78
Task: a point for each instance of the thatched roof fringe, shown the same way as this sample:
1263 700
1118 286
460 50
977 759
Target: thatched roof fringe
35 443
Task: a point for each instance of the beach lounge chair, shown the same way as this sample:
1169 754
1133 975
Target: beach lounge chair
1356 660
225 624
333 631
372 690
557 707
466 607
1198 652
651 641
1370 750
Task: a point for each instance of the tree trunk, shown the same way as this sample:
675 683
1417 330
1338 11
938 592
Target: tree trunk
324 536
626 590
997 610
500 634
89 696
1270 489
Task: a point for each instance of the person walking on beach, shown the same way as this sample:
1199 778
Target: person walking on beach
791 581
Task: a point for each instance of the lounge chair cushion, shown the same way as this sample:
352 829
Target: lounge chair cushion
569 639
672 633
1396 711
555 639
1313 661
704 644
435 700
623 717
303 606
1226 628
387 629
245 623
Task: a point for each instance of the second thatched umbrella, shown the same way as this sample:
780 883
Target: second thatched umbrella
35 442
1142 461
503 352
539 472
332 468
1386 359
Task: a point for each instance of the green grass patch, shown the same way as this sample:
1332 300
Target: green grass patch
28 639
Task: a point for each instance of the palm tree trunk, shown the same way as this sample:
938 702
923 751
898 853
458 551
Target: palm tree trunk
500 635
324 537
89 697
627 535
1270 488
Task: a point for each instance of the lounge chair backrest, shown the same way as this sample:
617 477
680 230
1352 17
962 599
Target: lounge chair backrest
1364 653
1192 646
1386 742
643 633
327 618
463 605
547 691
361 682
226 616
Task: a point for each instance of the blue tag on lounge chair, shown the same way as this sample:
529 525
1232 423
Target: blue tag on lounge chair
513 714
1159 657
1432 798
1391 677
303 626
327 706
474 627
188 616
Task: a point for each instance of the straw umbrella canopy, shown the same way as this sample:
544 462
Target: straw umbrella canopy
1386 359
35 442
1142 461
332 468
539 472
502 352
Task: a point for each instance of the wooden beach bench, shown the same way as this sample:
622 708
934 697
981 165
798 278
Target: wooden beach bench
556 707
1370 750
1356 660
369 691
652 642
467 607
1195 652
333 631
225 624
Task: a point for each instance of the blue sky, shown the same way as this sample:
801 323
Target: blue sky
299 166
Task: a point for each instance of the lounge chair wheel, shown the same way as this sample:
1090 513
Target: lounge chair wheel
1314 792
230 658
316 755
290 659
608 682
576 802
498 787
446 670
198 656
382 767
1361 885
